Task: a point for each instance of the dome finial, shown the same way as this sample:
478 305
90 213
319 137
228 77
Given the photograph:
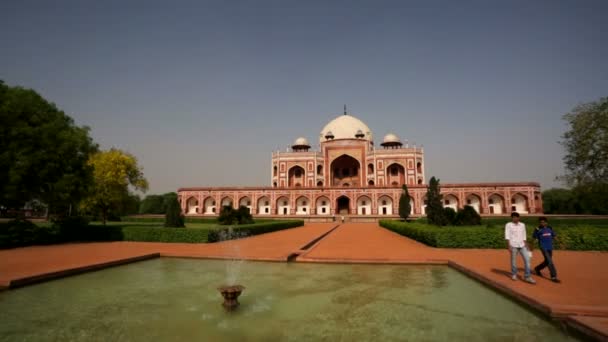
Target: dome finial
345 113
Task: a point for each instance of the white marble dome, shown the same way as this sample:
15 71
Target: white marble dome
391 138
301 141
346 127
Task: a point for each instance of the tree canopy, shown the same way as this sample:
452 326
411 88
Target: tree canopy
586 143
114 171
156 204
43 153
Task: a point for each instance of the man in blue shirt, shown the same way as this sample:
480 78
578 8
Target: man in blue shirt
545 235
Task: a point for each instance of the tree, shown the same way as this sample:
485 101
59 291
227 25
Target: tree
586 143
173 216
43 153
404 204
560 201
434 209
114 171
156 204
152 204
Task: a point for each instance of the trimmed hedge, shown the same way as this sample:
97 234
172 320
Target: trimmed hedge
162 219
150 234
581 238
252 229
24 233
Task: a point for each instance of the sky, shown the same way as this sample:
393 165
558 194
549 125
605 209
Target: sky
202 92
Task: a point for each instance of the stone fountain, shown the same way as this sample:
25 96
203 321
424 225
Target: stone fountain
232 292
231 295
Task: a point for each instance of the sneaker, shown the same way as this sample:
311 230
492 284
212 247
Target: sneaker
530 280
555 280
514 277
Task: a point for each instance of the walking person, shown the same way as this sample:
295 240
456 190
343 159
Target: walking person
545 235
515 234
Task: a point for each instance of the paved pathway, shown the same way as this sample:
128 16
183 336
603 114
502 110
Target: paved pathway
581 298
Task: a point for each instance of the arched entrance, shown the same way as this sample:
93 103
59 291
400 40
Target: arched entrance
296 176
345 171
343 205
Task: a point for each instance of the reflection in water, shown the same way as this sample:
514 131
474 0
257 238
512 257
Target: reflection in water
175 299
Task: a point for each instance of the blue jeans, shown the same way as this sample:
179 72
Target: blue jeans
524 253
548 262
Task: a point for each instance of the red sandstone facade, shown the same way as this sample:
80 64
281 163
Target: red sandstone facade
348 175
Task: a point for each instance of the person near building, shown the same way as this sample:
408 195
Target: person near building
515 234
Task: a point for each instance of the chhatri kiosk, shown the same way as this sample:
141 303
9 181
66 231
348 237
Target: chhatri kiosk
350 175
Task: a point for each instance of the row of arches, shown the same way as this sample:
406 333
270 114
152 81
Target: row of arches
363 205
303 205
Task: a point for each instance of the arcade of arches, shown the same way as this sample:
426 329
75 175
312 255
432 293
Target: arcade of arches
357 201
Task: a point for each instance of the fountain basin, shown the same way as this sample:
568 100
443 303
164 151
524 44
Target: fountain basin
171 299
231 295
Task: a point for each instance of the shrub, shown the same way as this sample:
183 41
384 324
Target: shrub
571 238
227 215
208 220
450 215
70 227
243 215
467 216
153 234
16 233
236 232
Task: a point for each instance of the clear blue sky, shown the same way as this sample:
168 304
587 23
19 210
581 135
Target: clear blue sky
202 91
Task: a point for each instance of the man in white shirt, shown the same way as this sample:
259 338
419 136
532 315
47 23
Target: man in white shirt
515 234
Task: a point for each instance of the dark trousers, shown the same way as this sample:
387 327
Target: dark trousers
548 262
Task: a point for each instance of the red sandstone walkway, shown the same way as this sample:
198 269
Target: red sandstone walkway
20 264
582 296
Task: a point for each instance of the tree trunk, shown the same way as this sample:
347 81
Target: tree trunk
104 214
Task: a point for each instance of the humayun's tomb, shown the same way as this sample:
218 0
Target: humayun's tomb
348 175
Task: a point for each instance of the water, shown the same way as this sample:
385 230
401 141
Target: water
177 300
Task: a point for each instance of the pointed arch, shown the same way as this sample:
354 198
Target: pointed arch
496 204
473 200
245 201
364 205
385 205
302 205
209 206
264 206
227 201
283 206
519 203
192 205
323 205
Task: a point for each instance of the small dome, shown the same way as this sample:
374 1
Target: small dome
301 141
391 140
